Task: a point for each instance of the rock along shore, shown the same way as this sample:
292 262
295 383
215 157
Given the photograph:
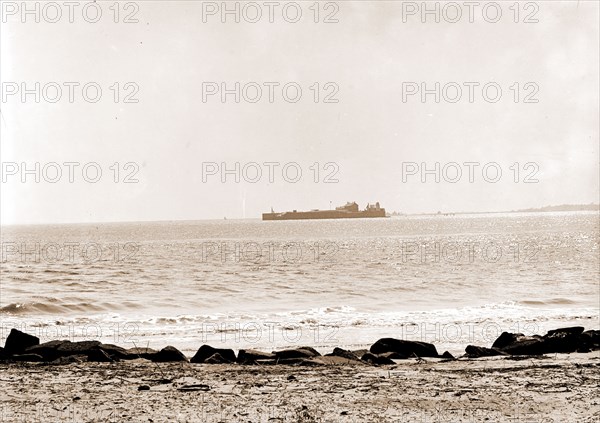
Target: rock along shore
20 347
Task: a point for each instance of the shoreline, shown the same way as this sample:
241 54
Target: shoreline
549 378
453 337
591 208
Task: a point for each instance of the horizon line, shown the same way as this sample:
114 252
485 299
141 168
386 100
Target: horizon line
400 214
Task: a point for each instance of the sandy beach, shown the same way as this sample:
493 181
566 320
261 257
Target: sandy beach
319 211
556 388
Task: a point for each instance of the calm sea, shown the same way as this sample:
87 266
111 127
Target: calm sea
450 280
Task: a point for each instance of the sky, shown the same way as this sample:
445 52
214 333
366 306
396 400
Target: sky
168 146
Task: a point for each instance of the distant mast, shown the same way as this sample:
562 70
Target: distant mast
244 204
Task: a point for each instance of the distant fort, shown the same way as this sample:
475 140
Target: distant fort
349 211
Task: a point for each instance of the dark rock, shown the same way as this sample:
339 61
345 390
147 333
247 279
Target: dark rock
52 350
302 352
448 356
146 353
251 356
519 344
526 345
216 358
119 353
590 339
143 388
406 348
376 359
99 356
17 342
206 351
505 339
564 340
291 377
115 352
76 348
168 354
573 330
476 352
48 350
3 354
393 356
27 357
339 352
360 353
311 350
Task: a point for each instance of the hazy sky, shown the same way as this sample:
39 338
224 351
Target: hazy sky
369 55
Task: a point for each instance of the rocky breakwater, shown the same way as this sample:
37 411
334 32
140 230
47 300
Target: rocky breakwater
21 347
564 340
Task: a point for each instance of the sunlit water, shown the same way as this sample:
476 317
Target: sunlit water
450 280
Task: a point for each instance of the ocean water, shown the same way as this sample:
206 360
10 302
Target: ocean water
450 280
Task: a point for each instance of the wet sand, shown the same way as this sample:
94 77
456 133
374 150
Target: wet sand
557 388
